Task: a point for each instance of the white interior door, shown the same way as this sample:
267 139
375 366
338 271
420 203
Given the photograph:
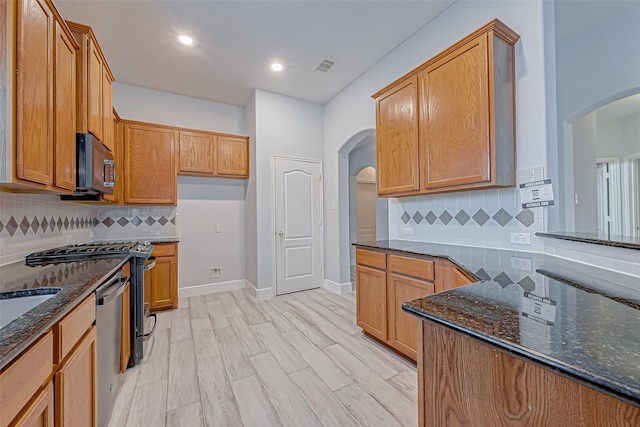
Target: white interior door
298 213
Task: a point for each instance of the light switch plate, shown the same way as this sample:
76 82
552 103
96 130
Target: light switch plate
408 231
521 263
521 238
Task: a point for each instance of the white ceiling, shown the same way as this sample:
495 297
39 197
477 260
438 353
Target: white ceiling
620 109
237 40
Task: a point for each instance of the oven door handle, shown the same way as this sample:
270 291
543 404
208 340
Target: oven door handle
155 321
150 263
116 288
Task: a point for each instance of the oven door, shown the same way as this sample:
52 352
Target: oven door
149 319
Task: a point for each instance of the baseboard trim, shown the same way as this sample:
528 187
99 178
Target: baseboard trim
337 288
261 293
211 288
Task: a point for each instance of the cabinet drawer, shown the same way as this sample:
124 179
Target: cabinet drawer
164 249
371 258
20 381
69 330
414 267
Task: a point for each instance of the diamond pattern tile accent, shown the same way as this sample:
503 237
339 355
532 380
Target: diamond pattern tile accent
431 217
108 221
150 221
525 217
35 224
527 284
502 217
122 221
66 223
44 224
163 220
481 217
52 224
77 222
24 225
446 217
462 217
173 220
95 221
483 274
503 280
1 226
417 217
136 221
405 217
59 223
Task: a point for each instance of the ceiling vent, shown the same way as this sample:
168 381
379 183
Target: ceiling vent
325 65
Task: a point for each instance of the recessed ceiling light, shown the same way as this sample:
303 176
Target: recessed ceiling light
186 40
276 66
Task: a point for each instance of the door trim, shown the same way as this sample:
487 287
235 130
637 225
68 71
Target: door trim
274 158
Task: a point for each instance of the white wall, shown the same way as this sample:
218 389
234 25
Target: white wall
585 137
202 202
251 202
594 67
353 111
284 126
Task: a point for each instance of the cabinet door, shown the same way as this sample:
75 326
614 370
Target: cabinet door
232 157
454 123
75 384
164 277
34 92
40 412
150 165
196 153
107 110
65 111
397 139
403 327
371 301
458 278
95 100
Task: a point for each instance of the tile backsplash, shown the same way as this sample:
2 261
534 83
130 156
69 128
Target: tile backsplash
128 222
34 222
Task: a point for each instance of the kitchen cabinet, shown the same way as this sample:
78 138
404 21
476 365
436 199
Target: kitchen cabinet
448 125
95 81
117 137
28 397
397 138
232 156
213 155
40 412
196 156
385 280
161 282
75 385
41 106
150 164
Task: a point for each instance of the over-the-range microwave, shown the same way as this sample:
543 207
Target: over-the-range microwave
96 171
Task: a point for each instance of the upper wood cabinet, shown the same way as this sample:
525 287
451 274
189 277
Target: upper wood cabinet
117 129
397 138
95 81
449 124
196 155
150 173
44 96
215 155
232 156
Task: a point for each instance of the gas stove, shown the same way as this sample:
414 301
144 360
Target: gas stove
85 251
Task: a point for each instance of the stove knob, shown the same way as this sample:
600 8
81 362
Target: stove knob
147 243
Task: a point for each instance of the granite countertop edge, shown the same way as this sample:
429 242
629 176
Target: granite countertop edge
168 239
601 383
35 334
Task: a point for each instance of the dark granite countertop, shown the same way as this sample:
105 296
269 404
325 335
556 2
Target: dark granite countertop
581 321
154 239
77 280
628 242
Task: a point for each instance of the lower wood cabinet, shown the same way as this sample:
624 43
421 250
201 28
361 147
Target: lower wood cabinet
161 282
75 383
385 280
40 412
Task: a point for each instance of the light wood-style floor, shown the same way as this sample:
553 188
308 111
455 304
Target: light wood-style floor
299 360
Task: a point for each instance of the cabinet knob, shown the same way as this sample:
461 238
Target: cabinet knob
280 233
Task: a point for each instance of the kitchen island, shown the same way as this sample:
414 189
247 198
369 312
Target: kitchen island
559 348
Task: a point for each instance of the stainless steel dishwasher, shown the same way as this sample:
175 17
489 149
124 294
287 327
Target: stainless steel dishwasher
109 325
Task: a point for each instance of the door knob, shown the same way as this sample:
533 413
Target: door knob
280 233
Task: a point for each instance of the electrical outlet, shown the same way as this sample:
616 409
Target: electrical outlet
521 263
215 272
218 228
69 238
408 231
521 238
91 234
